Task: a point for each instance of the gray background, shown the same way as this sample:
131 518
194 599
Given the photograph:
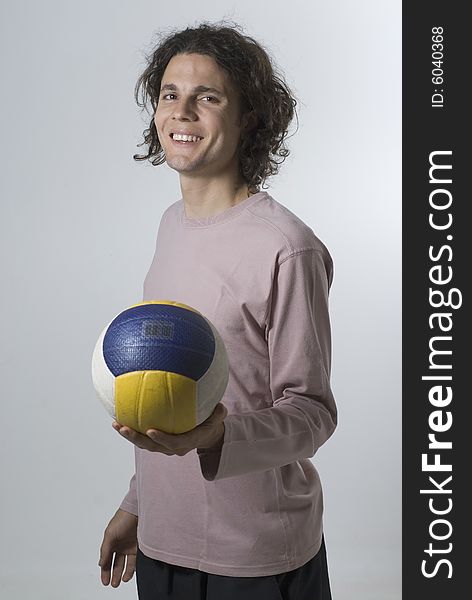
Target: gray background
78 225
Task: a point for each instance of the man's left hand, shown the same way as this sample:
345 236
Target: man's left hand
207 435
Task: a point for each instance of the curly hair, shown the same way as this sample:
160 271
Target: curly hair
263 91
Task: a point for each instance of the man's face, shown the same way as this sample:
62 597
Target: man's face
198 99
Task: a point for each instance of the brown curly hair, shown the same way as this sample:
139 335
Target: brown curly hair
263 91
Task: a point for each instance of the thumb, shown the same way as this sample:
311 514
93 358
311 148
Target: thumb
222 411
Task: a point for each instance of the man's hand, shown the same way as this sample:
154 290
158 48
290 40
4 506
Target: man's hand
208 435
119 546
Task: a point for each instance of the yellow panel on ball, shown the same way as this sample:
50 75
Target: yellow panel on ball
156 400
167 303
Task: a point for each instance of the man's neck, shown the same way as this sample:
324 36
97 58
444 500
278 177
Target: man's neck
207 198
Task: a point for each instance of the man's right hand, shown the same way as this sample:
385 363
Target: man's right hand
118 549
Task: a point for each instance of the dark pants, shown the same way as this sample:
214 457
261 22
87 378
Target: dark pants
157 580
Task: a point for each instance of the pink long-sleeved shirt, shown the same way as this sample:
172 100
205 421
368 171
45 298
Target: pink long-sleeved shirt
262 277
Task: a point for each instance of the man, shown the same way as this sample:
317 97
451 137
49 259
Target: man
233 508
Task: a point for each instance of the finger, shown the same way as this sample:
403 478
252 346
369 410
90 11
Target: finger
183 443
170 441
136 438
132 435
105 575
143 441
180 443
105 563
118 567
130 567
174 443
220 412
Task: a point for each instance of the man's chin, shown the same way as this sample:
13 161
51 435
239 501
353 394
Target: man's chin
183 166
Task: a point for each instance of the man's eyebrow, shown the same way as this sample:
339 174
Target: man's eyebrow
198 89
204 88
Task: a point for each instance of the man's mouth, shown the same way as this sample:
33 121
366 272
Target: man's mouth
183 137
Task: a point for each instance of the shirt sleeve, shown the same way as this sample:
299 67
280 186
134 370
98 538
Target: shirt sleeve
303 414
130 501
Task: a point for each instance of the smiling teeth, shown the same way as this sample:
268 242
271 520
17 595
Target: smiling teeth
180 137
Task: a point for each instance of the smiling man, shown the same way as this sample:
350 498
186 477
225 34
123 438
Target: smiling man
199 128
233 508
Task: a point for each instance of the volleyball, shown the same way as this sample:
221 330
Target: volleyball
160 365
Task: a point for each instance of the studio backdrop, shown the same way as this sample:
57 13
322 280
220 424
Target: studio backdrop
79 220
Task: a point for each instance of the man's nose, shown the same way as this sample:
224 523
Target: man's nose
184 111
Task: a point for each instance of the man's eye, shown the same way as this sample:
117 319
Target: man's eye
167 96
209 98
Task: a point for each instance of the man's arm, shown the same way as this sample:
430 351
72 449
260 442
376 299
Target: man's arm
130 501
304 414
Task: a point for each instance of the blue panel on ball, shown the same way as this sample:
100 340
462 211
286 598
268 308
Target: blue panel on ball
159 337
